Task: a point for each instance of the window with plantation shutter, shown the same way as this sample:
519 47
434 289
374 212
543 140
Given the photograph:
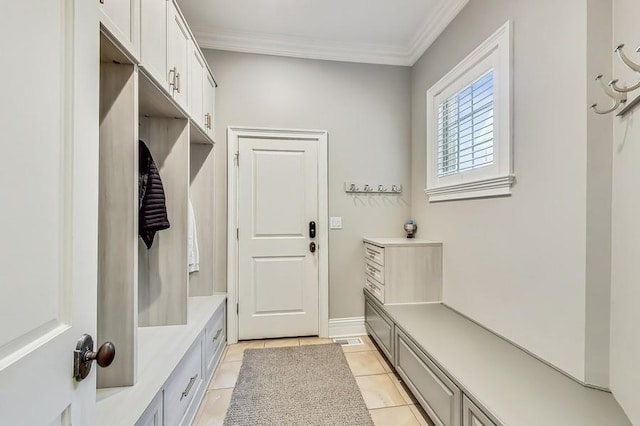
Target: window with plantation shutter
465 128
469 125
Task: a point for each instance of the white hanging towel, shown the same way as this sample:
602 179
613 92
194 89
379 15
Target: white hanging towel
192 242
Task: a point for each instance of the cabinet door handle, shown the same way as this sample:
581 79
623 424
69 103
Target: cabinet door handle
101 1
185 393
217 335
172 77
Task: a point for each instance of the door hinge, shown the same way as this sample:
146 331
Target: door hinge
237 158
237 233
237 309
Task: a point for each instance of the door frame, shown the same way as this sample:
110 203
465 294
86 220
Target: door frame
234 136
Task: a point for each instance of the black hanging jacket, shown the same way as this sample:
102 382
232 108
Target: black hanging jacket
152 213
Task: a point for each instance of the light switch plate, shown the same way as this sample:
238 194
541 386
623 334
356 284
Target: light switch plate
335 222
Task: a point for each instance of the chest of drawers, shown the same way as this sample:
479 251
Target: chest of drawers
402 270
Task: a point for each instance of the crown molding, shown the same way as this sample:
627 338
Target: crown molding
346 51
431 30
299 47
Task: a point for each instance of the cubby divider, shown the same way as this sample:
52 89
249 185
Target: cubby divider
118 220
201 194
162 282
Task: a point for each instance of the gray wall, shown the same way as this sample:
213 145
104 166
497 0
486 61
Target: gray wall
625 288
365 109
518 265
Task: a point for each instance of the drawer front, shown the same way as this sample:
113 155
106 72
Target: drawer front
152 416
215 338
472 415
374 270
183 384
438 395
380 327
375 288
374 253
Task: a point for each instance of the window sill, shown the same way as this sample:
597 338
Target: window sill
494 187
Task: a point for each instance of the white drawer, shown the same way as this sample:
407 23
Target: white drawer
215 338
439 396
153 414
374 270
472 415
375 288
380 328
183 384
374 253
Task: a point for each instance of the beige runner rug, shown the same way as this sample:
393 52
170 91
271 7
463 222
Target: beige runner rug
301 385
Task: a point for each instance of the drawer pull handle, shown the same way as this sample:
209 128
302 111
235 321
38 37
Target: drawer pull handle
217 335
185 393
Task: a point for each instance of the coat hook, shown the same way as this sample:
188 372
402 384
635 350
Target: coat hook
618 98
631 65
623 56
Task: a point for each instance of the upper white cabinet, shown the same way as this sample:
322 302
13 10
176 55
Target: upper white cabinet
153 40
202 88
121 20
196 86
178 57
209 104
155 35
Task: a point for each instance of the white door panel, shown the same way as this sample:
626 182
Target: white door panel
48 182
279 181
278 275
278 285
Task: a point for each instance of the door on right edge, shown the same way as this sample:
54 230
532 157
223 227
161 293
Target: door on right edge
278 267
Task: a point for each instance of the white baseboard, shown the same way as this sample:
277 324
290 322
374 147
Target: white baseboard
345 327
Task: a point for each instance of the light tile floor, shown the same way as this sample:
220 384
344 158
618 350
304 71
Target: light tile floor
388 400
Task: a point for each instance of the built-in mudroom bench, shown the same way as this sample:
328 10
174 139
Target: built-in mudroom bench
463 374
176 364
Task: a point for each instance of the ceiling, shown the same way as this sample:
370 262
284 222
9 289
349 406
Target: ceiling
395 32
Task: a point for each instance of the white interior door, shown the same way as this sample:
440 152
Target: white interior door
48 222
277 271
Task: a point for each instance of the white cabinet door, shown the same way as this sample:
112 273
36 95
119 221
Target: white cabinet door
472 415
209 103
196 80
121 19
178 57
153 40
48 228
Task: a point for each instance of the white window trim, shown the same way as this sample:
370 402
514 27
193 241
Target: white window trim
488 181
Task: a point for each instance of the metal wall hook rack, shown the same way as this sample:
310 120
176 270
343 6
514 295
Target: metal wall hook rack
368 188
618 94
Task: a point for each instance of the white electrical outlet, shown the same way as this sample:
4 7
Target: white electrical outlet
335 223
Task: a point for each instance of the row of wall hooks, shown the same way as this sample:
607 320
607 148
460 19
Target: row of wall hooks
368 188
617 93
